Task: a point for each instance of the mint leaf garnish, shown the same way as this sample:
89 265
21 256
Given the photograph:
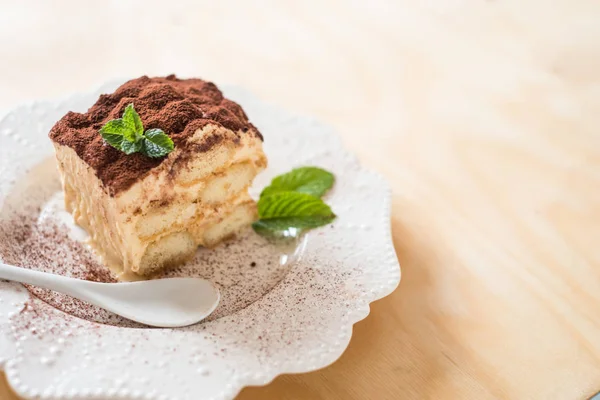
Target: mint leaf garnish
127 135
311 180
157 143
292 203
115 126
133 122
114 139
130 147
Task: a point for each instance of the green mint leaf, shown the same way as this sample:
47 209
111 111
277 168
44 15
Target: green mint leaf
156 143
310 180
292 204
115 127
131 147
133 122
112 133
127 135
289 226
115 140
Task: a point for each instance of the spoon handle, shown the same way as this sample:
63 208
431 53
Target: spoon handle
45 280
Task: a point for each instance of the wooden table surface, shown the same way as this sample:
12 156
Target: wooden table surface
483 115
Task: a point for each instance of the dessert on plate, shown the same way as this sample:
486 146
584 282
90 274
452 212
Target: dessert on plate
158 168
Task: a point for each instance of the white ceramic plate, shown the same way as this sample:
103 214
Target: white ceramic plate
284 310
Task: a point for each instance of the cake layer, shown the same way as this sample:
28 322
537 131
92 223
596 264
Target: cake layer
220 188
179 246
134 229
226 226
180 107
183 175
146 213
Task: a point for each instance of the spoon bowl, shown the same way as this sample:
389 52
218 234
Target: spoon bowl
166 303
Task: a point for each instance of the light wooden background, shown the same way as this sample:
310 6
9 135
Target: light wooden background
483 115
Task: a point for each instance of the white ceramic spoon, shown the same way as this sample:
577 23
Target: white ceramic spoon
167 303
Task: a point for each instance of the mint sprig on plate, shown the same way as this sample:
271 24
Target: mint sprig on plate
292 203
127 135
311 180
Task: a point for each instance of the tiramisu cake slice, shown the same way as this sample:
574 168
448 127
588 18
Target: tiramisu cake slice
144 209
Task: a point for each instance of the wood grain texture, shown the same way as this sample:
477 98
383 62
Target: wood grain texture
483 115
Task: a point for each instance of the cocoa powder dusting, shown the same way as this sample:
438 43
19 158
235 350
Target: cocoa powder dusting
177 106
47 248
